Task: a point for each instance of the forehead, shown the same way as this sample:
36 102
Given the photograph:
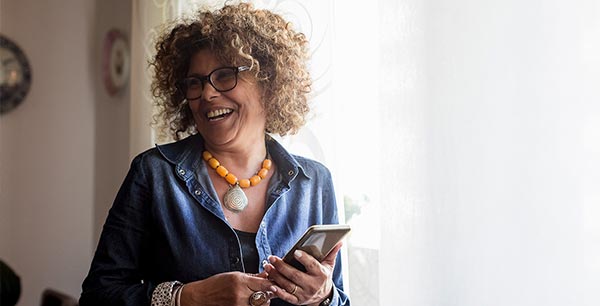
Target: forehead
203 62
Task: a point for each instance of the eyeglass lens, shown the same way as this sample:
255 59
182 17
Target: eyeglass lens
222 79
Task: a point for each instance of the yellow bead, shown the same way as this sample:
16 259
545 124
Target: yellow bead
206 155
255 180
267 164
245 183
214 163
231 179
263 173
222 171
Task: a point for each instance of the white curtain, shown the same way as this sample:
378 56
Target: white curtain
464 139
147 17
489 141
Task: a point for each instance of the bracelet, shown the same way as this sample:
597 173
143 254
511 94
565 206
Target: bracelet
327 300
163 293
178 295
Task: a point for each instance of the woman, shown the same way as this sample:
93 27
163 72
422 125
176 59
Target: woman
205 220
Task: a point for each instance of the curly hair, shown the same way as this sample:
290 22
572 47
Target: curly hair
240 35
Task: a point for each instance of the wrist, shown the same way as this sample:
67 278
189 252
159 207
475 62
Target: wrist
177 295
328 299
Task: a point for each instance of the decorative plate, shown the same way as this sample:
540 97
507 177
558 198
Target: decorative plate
115 62
15 75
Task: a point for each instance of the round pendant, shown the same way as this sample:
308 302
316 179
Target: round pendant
235 199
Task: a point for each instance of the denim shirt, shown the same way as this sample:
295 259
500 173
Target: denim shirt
167 224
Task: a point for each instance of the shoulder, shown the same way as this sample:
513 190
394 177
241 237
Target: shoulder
293 164
148 157
312 168
171 153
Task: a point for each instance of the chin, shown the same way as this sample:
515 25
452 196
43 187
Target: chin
217 138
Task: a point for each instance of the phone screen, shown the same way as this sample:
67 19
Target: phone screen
318 240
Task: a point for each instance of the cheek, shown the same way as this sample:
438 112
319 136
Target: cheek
194 111
258 109
258 104
193 108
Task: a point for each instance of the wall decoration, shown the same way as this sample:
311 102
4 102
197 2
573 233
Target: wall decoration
115 62
15 75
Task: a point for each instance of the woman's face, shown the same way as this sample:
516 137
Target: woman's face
231 118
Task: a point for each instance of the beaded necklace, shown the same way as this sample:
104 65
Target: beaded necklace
235 199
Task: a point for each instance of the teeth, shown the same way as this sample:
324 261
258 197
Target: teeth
218 112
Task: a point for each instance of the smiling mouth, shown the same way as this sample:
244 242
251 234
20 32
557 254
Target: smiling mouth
218 114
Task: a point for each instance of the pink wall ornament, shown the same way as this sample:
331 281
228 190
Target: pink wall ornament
115 61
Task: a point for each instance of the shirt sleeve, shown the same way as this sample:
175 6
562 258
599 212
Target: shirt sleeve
116 275
330 216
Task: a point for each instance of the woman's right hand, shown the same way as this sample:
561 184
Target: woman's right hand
230 288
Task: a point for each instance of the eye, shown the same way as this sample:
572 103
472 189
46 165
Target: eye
192 83
224 75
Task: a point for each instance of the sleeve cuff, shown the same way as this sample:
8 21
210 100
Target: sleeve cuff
163 293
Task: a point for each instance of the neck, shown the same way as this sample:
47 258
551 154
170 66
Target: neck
243 160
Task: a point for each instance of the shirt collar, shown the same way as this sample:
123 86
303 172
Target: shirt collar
187 154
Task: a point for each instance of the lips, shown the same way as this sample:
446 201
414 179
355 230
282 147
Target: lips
218 114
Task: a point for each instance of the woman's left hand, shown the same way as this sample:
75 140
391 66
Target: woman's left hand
303 288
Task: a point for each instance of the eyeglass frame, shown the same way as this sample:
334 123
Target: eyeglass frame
207 79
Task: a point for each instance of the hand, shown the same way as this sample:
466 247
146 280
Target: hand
231 288
301 288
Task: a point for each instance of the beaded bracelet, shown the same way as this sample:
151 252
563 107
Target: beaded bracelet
163 293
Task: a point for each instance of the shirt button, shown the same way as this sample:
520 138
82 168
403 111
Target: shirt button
264 262
236 260
197 192
291 172
181 172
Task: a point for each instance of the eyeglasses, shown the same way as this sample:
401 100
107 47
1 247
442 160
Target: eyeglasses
221 79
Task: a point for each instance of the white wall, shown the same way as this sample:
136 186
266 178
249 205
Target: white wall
60 151
111 116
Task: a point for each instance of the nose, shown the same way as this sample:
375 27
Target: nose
209 92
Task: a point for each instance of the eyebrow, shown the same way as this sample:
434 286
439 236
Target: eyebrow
195 75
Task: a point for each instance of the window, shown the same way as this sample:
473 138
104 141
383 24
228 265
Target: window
463 138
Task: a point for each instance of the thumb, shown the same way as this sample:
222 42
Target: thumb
262 274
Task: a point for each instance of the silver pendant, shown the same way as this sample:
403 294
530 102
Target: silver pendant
235 199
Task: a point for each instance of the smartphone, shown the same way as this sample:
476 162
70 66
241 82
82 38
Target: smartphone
318 240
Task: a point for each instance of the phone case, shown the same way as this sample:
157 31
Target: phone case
318 240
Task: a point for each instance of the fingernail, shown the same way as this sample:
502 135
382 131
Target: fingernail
273 288
272 259
297 253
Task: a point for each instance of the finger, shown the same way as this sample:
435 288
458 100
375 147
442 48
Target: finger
288 297
312 265
329 260
263 274
270 295
255 283
279 279
286 290
270 270
286 270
